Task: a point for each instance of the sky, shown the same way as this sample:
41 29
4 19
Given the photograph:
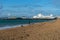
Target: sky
29 8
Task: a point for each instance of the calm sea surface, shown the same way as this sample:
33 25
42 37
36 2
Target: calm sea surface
4 23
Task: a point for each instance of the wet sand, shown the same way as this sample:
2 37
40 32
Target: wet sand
38 31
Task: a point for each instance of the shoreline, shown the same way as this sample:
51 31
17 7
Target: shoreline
22 25
38 31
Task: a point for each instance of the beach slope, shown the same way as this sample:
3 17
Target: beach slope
38 31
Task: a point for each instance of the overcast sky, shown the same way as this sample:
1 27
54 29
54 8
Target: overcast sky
29 7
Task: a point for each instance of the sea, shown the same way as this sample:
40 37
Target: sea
4 24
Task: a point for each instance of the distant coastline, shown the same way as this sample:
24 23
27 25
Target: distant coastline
37 17
28 18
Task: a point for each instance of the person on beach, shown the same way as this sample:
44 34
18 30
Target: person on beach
22 26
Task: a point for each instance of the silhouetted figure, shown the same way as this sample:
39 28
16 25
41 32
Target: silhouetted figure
22 26
29 21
